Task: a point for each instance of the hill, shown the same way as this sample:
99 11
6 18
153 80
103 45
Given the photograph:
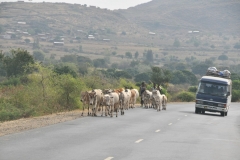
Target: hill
215 16
161 26
62 18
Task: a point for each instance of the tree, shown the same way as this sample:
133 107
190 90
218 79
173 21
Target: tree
136 54
99 63
223 57
114 53
38 55
134 63
160 76
2 67
149 56
123 74
200 68
142 77
27 40
69 58
124 33
65 70
80 49
19 63
184 76
83 68
36 44
128 54
176 43
237 46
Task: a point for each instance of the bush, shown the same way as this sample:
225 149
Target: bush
185 96
14 81
235 95
192 89
9 111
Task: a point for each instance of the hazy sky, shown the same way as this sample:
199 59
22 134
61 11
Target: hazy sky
110 4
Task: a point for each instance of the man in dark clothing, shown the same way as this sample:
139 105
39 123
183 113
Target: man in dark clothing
143 87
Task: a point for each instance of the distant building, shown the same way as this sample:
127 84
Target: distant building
151 33
58 43
25 33
22 22
91 37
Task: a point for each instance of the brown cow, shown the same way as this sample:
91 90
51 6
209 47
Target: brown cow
84 98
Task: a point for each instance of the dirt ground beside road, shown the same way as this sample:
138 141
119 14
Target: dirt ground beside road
24 124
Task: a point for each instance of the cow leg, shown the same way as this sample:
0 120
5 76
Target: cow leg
112 110
106 110
82 110
102 111
88 111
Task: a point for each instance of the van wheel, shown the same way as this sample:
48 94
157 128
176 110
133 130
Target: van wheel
196 110
203 112
226 113
222 114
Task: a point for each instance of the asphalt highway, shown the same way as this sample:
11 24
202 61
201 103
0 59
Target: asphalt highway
141 134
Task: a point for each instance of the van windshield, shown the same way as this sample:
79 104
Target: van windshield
213 89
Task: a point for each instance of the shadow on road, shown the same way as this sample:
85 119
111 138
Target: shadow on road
206 113
212 114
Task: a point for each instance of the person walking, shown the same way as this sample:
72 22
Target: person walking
143 87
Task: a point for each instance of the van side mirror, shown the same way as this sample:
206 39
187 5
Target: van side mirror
228 94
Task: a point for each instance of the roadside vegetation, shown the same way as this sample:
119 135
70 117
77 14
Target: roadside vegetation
30 87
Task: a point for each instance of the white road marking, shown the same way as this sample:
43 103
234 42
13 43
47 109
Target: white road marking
170 124
138 141
109 158
178 119
157 131
185 115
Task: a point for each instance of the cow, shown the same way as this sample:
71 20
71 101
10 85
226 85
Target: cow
164 102
147 98
157 100
127 98
95 100
133 98
123 99
113 103
84 98
164 99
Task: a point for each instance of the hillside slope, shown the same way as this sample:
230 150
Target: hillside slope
63 18
205 15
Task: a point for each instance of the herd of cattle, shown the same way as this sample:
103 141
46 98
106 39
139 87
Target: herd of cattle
119 100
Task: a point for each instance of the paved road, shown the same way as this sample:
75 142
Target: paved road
141 134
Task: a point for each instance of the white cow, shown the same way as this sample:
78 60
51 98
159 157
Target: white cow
164 99
157 100
164 102
127 99
107 103
147 98
111 101
95 100
133 98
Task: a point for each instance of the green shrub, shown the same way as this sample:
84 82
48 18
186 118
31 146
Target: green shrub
192 89
9 112
235 95
14 81
186 96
